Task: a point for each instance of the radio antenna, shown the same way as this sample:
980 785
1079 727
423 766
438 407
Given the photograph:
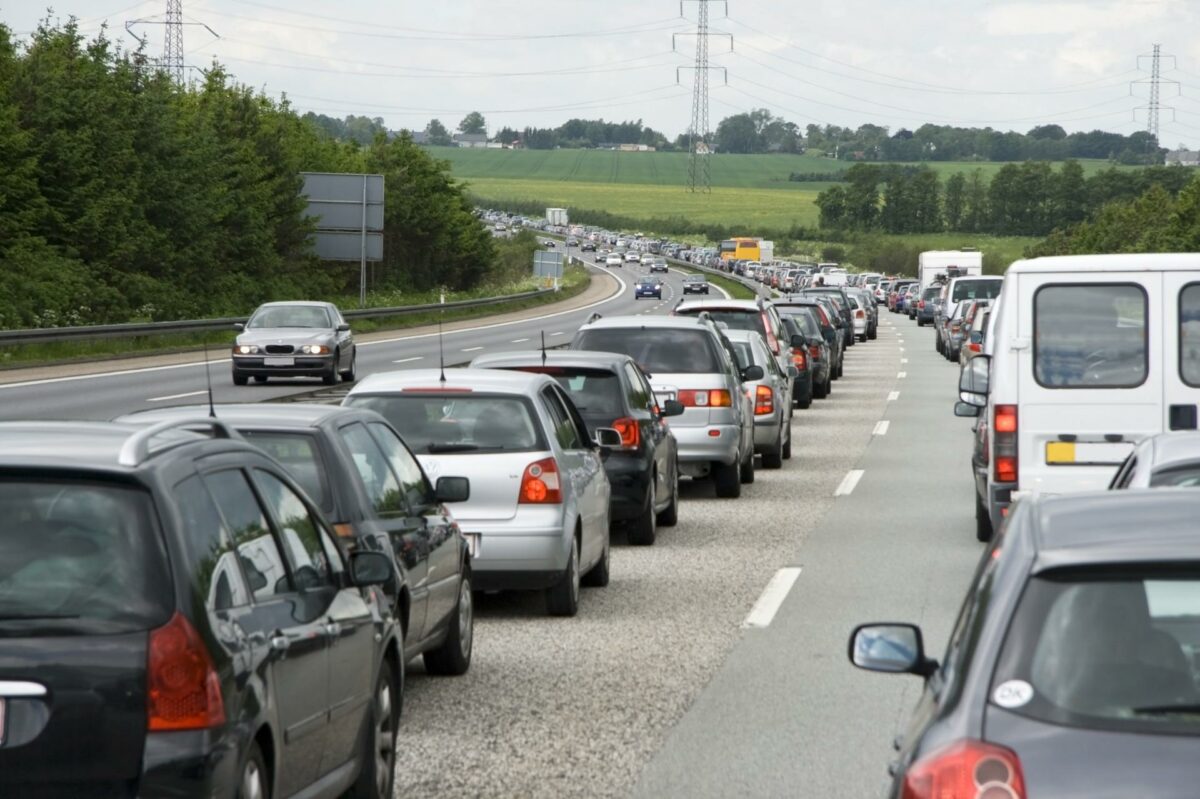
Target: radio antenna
543 348
441 349
212 410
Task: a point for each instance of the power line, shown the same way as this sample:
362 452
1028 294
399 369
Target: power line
1154 106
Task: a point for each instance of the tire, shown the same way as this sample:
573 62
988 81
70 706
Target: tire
348 375
256 781
669 516
920 323
453 657
240 379
378 776
787 448
828 386
330 378
562 598
727 478
983 521
260 378
644 528
821 390
746 472
874 334
938 346
773 458
597 576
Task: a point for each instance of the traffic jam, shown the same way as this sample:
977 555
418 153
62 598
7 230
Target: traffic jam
225 599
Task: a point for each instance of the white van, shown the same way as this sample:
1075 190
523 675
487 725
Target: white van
1089 354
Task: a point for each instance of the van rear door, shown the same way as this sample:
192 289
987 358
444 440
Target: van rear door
1090 375
1181 335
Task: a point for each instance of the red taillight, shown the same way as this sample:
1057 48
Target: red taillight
631 432
973 347
772 342
539 484
183 691
1004 445
798 359
814 351
921 304
966 770
764 400
706 398
859 315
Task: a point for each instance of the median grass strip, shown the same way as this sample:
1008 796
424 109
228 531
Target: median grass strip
575 281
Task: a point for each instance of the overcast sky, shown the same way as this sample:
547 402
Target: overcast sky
1009 64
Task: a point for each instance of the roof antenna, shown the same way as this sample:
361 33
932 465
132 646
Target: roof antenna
212 410
543 348
441 349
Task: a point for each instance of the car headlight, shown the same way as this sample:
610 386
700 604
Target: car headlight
245 349
315 349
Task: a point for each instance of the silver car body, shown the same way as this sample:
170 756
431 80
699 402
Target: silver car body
518 545
775 426
273 342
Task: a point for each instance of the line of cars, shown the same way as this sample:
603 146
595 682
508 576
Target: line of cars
1074 666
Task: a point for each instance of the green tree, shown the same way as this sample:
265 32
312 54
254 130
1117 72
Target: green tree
473 123
437 133
832 204
975 204
862 196
737 134
926 206
955 203
1069 195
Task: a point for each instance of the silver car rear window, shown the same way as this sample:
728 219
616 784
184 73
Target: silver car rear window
458 422
658 350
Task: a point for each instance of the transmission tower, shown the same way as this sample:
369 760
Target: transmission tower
173 41
699 135
1154 107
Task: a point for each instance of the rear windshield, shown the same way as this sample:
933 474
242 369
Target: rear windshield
299 454
79 558
976 290
734 319
1106 651
432 423
656 350
595 392
931 293
1090 336
804 319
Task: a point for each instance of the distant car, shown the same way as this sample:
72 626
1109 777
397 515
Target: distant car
572 242
757 315
614 260
588 246
695 284
550 243
1071 670
823 313
810 356
1167 460
632 257
925 304
659 265
647 287
974 335
294 339
772 396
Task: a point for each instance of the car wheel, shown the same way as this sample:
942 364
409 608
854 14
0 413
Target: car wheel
562 598
727 478
260 378
874 334
938 345
920 323
348 375
330 377
670 514
983 521
378 775
240 379
773 459
597 576
747 471
820 390
453 657
828 386
644 528
255 782
787 447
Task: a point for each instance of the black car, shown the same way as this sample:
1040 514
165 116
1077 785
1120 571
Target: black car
352 463
609 390
695 284
812 371
587 246
178 620
828 322
842 300
1072 668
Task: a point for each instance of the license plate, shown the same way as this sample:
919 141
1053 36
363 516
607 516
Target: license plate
472 540
1071 453
279 361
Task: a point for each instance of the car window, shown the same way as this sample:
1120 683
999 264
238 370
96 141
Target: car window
383 487
1185 476
564 428
658 351
595 392
314 561
1189 334
1108 650
639 394
745 354
458 422
1090 336
301 456
259 555
209 548
413 483
976 290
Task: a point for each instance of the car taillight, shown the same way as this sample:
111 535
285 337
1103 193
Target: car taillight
764 400
706 398
631 432
955 327
814 351
183 691
1004 444
798 359
539 484
921 305
973 347
966 770
859 315
772 342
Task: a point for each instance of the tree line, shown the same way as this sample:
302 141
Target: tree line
1027 199
125 196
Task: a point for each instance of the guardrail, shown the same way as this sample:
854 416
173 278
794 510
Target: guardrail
91 332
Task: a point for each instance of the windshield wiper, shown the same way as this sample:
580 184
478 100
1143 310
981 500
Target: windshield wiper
434 449
1166 710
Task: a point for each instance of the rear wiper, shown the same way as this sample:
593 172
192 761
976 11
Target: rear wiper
1166 710
434 449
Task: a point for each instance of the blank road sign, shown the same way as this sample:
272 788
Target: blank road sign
345 187
340 245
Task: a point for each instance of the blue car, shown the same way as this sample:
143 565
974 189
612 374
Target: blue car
647 287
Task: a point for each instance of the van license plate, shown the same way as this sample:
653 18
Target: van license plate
1098 453
472 540
279 361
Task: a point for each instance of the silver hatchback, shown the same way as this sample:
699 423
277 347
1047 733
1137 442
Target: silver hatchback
771 395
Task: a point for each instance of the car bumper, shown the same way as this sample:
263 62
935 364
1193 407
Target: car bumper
707 444
657 295
189 763
302 366
688 290
515 557
802 386
629 476
999 499
766 431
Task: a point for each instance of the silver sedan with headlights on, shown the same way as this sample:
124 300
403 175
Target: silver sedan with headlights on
294 339
538 515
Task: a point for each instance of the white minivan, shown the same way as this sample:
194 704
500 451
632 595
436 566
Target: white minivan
1089 354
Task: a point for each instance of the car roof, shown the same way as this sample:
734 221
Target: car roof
581 358
718 305
1158 262
1113 527
71 445
257 414
309 303
644 322
1173 449
482 380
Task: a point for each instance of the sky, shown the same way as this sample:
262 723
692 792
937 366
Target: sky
1007 64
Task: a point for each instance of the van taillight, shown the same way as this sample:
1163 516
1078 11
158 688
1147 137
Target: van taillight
183 691
764 400
539 484
966 770
706 398
631 432
1004 445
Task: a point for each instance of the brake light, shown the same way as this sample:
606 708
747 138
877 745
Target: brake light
539 484
631 432
814 351
764 400
921 304
798 359
859 314
966 770
706 398
183 691
973 347
772 342
1004 445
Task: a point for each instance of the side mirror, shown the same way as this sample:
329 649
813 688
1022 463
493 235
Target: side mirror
890 648
799 341
672 408
752 373
239 326
966 410
452 489
973 382
607 438
369 568
344 327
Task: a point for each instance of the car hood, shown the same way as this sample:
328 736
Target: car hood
285 335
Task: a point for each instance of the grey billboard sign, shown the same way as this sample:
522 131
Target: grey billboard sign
346 245
343 186
345 216
547 264
349 214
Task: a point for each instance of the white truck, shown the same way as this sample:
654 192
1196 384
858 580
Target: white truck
766 251
936 265
557 216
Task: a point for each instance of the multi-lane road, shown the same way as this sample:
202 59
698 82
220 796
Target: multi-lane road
659 687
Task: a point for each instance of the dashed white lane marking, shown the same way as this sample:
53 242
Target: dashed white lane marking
904 360
881 428
471 349
410 360
893 396
176 396
901 375
902 349
772 597
518 340
846 487
559 333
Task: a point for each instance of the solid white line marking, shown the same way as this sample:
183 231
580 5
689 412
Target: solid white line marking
881 428
772 597
892 397
846 487
471 349
410 360
518 340
176 396
901 375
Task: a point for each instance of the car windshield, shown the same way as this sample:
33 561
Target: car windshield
1109 649
289 316
656 350
79 558
694 279
647 281
454 422
976 290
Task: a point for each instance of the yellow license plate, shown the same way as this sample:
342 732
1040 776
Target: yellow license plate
1060 452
